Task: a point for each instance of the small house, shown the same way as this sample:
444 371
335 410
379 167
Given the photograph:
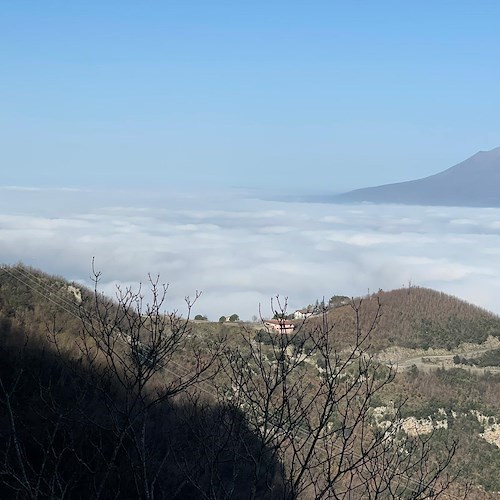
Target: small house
282 326
302 314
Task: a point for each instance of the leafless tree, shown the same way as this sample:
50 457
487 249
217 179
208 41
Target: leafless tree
135 343
124 375
318 422
143 409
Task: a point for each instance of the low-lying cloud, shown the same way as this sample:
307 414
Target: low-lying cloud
241 251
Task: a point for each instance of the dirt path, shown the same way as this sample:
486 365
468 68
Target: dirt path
433 362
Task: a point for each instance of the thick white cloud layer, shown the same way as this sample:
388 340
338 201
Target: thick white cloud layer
240 251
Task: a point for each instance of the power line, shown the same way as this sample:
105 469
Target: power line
39 284
47 297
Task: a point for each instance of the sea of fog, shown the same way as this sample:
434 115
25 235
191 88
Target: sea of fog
240 251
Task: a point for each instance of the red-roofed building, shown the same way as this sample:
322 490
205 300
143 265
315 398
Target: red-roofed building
279 325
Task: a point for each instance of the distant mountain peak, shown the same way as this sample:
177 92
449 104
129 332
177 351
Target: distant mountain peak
474 182
491 151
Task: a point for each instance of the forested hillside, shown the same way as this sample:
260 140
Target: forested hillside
103 398
420 318
76 423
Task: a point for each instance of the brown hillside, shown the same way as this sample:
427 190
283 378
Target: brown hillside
417 318
49 383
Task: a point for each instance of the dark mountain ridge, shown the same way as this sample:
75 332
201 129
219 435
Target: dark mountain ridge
474 182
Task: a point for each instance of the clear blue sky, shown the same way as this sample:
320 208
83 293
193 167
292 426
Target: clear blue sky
311 96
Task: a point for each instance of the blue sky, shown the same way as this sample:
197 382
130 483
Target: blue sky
294 96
